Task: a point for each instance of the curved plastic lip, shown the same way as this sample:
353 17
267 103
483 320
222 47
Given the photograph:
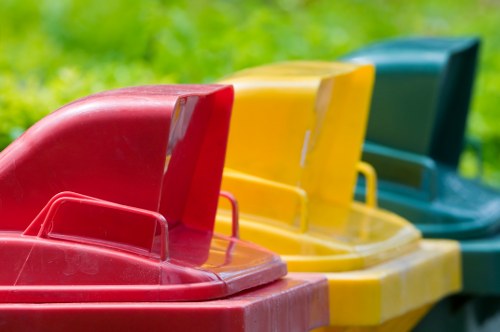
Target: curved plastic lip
231 265
436 210
375 273
441 210
456 226
316 251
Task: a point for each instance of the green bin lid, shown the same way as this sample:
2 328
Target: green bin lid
422 94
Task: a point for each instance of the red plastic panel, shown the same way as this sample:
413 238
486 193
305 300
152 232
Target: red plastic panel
296 303
115 146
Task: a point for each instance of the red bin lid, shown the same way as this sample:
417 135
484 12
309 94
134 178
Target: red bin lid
113 198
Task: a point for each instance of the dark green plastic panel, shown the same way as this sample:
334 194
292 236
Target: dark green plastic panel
463 313
422 94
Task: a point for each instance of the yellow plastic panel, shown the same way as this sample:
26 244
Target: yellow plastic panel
380 293
302 124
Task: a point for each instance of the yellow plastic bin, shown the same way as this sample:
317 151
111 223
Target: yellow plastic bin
294 152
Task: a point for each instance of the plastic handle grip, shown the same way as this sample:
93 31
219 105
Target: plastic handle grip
235 213
96 222
371 182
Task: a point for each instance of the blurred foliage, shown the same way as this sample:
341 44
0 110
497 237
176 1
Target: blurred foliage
54 51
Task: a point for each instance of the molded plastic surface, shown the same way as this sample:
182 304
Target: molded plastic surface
463 313
294 148
331 103
373 296
432 195
113 198
296 303
440 202
422 94
481 262
422 184
165 142
419 182
297 174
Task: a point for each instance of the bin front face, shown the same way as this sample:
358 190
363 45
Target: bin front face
113 198
299 303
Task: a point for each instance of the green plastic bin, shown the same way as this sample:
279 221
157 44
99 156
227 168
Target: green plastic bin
414 140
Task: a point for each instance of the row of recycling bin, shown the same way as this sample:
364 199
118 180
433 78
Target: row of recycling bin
231 207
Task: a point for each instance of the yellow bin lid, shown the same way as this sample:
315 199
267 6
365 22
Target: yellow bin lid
293 156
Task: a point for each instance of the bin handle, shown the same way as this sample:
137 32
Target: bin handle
53 206
370 175
235 233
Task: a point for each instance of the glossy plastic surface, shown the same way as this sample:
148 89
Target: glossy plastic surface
113 198
426 191
481 261
297 174
160 141
416 134
292 124
296 303
319 141
394 290
422 94
422 184
463 313
440 202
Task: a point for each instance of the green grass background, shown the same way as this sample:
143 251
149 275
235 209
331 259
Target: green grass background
54 51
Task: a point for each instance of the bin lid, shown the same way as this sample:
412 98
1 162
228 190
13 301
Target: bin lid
440 202
301 124
422 94
296 135
113 198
